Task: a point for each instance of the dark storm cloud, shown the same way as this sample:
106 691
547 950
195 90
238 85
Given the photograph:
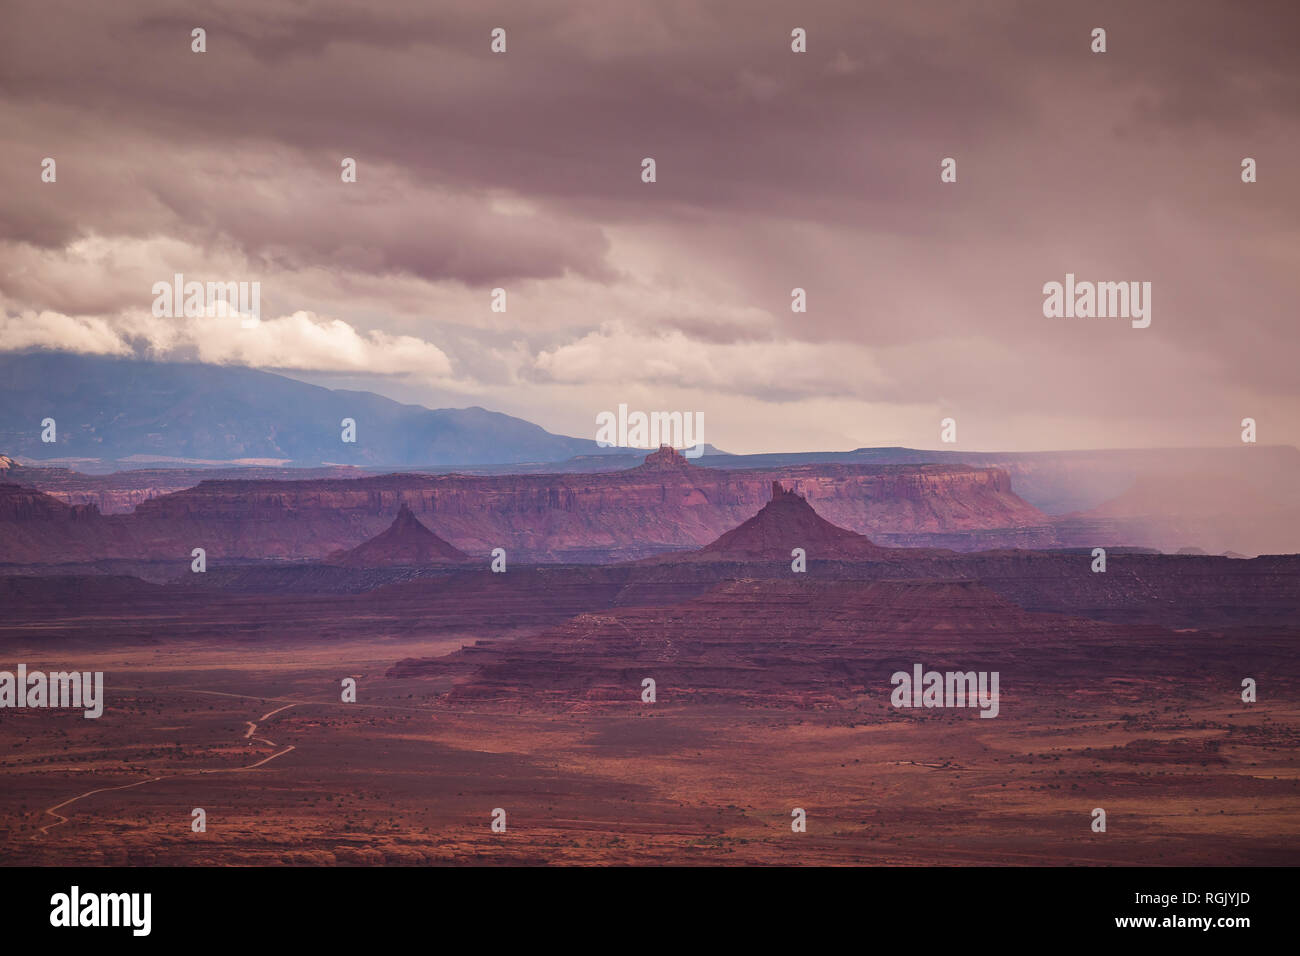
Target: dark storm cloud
774 170
850 131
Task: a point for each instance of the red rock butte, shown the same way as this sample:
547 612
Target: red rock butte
667 457
406 543
785 523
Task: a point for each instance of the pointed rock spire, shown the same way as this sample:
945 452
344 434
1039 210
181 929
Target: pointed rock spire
787 522
407 542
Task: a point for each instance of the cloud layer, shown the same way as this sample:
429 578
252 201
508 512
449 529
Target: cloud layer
776 170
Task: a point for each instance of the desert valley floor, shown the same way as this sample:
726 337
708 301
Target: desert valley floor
253 731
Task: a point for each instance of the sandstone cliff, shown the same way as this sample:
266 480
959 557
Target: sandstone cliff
664 505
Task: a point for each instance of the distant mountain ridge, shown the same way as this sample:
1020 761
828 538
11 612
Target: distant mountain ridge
115 410
161 428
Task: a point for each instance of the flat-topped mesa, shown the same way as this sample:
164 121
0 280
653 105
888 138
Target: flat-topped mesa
19 503
666 457
406 543
602 516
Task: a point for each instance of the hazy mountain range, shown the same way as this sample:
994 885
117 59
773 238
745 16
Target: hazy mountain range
115 410
125 414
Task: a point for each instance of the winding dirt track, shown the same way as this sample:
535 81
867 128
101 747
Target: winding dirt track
248 735
252 728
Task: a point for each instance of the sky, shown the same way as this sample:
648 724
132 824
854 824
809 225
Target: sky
775 170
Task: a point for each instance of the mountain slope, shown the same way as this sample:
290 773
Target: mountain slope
111 409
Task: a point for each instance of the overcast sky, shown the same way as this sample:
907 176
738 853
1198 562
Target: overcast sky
775 170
